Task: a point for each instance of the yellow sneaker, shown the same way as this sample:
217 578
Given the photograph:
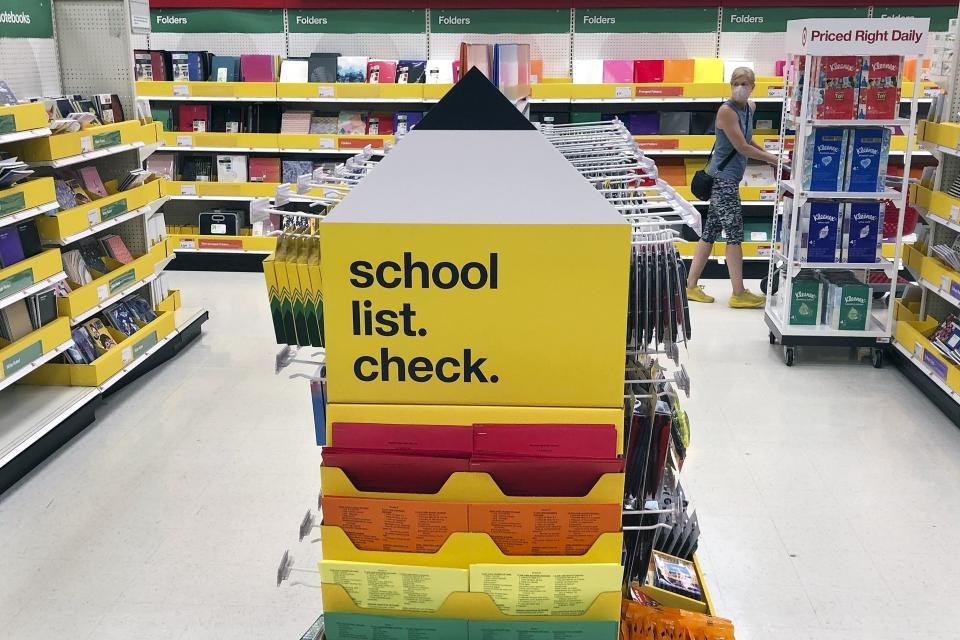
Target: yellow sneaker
697 294
747 300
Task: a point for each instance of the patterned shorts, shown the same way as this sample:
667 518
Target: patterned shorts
725 213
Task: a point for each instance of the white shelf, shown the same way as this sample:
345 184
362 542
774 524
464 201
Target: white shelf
32 411
934 149
856 123
89 155
28 213
946 295
842 195
28 134
935 219
20 373
37 287
875 328
112 222
883 265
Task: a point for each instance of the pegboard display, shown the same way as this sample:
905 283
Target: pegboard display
30 66
224 44
763 49
588 46
140 40
95 35
552 48
389 46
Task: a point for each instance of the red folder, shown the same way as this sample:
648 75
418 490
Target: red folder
159 66
194 117
382 71
380 124
591 441
545 477
648 70
454 441
264 169
393 472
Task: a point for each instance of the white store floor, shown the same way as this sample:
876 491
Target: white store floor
826 493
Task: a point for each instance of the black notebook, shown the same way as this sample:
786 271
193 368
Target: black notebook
322 67
29 238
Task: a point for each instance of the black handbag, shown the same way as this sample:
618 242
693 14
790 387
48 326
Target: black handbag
702 183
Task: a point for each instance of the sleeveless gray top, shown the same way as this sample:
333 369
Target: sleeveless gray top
738 164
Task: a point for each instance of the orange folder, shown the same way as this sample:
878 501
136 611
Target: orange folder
536 71
678 71
544 529
672 171
395 525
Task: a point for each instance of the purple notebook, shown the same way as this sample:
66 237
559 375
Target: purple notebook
643 123
11 251
405 121
257 68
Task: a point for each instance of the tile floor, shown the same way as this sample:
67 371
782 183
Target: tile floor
826 493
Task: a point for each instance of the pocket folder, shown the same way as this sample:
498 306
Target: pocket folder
593 441
647 71
394 472
425 439
545 476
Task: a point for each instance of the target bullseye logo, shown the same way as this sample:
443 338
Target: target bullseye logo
804 37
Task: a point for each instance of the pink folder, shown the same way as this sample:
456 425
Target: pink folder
779 67
257 68
617 71
595 441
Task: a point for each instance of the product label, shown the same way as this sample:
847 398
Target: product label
145 344
658 91
622 92
188 189
500 21
122 281
22 358
8 123
188 243
235 244
109 139
325 91
646 20
217 20
113 209
658 143
395 525
181 90
357 21
16 282
13 203
939 16
938 367
26 19
357 625
955 289
86 144
774 19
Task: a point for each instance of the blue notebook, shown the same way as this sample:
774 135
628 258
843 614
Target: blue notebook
225 69
187 66
11 251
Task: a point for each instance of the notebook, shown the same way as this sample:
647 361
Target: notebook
116 249
323 124
405 121
142 65
101 338
93 255
352 68
296 122
382 71
292 70
92 182
226 118
225 69
231 168
197 168
293 169
109 108
187 66
264 169
11 251
352 123
322 67
29 238
380 124
121 318
16 320
411 71
84 352
76 268
163 165
43 308
258 68
194 118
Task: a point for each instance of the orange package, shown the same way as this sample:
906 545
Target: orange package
544 529
678 70
395 525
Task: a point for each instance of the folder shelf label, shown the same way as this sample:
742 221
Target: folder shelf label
13 203
22 358
216 20
500 21
939 15
8 123
145 344
108 139
357 21
646 20
16 282
113 209
774 19
123 280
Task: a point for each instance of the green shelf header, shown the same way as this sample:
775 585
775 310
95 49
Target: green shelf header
678 20
216 20
357 21
26 19
774 19
500 21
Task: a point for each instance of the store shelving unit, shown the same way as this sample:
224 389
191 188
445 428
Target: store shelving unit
939 285
879 326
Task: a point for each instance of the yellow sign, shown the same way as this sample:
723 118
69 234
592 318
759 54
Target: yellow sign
477 314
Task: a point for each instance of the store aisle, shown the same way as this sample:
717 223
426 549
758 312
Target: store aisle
166 518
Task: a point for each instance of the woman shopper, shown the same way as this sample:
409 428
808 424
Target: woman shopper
727 164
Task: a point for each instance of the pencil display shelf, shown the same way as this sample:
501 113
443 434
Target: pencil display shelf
472 606
463 549
27 199
33 349
106 288
86 141
222 244
127 350
22 276
73 224
22 122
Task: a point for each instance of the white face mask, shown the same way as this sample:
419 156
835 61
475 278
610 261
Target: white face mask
741 93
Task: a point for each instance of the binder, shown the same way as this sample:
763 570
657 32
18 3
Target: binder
225 69
194 117
411 71
187 66
258 68
264 169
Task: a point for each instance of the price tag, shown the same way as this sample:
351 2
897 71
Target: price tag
918 351
931 92
86 144
102 292
955 213
188 243
776 92
623 92
325 92
126 355
764 251
326 143
188 189
93 217
944 283
771 145
181 90
768 195
758 236
184 141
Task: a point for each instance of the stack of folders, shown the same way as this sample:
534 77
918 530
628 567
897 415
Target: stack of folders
12 170
159 289
948 254
135 178
24 316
